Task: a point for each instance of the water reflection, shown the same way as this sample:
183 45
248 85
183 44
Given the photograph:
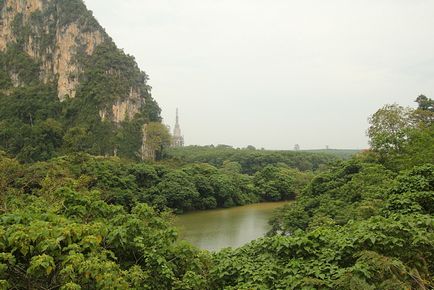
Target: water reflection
233 227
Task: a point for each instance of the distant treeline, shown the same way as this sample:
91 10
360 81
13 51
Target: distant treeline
342 153
250 159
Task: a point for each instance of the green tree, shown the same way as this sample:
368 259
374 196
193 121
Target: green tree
389 128
274 183
425 103
157 139
179 191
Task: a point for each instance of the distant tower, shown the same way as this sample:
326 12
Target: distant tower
178 139
296 147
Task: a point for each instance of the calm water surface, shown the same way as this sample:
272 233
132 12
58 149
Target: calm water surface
221 228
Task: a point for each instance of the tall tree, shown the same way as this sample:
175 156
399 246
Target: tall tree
389 128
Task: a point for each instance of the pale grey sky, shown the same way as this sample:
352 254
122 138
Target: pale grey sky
273 73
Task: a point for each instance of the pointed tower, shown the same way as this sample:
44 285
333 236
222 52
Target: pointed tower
178 139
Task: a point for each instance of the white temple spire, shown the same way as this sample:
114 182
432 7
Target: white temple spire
178 139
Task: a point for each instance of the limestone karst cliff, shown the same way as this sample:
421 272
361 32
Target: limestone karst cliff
100 96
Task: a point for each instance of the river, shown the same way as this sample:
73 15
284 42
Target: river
221 228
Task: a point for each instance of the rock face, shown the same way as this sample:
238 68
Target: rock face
58 59
9 11
67 42
75 54
125 109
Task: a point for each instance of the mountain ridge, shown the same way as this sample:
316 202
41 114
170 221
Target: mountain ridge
58 45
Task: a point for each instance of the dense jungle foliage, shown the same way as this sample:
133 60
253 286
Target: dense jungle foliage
83 222
185 188
71 219
366 223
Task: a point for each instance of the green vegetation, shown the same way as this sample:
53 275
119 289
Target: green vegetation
59 235
402 137
98 233
75 11
72 220
250 159
366 223
84 222
190 187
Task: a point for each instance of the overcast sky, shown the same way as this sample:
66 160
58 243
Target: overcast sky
273 73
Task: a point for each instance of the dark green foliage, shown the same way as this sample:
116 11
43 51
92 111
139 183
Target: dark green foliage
352 190
425 104
78 221
129 138
191 187
390 249
275 183
178 189
16 63
74 11
379 253
29 126
19 107
108 74
80 241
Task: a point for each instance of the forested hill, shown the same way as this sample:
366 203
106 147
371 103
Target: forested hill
66 87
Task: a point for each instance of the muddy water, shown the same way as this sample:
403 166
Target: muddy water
221 228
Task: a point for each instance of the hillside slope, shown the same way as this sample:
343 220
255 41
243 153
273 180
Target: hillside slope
65 86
